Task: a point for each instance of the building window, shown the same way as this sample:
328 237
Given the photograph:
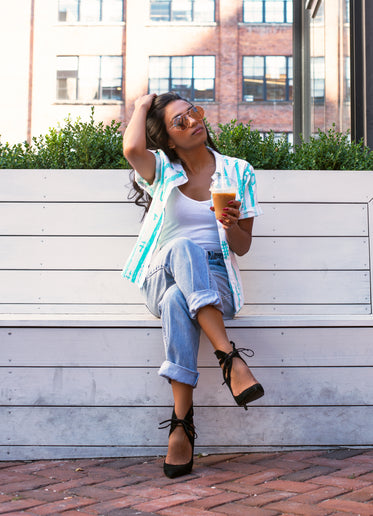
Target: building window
182 10
90 11
267 78
89 78
318 79
347 11
193 77
289 137
347 79
268 11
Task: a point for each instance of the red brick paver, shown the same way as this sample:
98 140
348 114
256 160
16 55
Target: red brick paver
318 482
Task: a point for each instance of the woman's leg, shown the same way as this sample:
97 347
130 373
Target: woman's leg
185 263
181 336
179 447
178 284
212 323
182 291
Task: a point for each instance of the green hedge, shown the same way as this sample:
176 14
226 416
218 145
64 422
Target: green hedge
329 150
91 145
75 145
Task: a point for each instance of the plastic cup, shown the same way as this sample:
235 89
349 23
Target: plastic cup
222 193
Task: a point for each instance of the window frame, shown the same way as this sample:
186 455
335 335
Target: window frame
264 13
192 11
317 62
78 14
99 80
288 98
192 79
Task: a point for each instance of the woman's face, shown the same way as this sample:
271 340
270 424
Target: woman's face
184 125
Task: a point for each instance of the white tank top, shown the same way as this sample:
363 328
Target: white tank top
186 217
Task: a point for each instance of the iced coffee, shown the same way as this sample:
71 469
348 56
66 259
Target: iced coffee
222 191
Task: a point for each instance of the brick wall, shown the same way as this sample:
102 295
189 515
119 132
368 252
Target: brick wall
228 40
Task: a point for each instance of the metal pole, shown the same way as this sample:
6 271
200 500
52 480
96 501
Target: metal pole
358 77
369 72
30 72
301 71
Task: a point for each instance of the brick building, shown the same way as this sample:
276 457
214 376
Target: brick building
234 57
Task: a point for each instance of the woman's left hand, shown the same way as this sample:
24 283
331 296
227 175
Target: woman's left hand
231 214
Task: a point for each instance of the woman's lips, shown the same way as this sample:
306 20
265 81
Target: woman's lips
198 130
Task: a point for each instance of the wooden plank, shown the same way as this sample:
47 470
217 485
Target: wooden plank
113 347
69 219
138 320
27 453
306 253
91 218
67 287
314 186
91 252
306 386
65 253
312 220
30 453
260 287
293 310
67 311
22 314
319 287
274 426
112 185
64 185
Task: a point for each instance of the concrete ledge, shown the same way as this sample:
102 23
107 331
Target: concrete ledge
149 321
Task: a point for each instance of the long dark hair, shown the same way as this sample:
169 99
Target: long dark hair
157 138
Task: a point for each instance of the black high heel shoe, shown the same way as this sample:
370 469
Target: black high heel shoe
226 359
177 470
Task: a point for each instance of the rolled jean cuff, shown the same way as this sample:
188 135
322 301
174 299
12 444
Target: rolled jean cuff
180 374
201 298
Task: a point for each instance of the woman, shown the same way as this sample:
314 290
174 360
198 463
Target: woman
184 259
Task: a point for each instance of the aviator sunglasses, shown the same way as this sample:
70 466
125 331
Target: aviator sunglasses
182 121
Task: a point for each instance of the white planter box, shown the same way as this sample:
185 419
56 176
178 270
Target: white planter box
73 382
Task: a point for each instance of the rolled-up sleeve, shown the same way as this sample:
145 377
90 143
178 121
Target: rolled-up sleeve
150 188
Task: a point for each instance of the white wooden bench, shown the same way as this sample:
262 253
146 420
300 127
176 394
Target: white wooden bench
79 352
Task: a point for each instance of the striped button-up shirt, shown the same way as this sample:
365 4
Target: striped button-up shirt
170 175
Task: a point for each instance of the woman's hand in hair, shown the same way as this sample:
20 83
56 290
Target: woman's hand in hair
134 140
145 101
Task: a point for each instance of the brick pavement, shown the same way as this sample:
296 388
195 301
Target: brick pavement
334 482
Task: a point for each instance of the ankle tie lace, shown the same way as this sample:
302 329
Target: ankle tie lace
227 360
174 422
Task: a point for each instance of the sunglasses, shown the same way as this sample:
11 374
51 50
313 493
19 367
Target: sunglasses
182 121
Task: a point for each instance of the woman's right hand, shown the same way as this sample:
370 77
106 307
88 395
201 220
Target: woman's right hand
145 101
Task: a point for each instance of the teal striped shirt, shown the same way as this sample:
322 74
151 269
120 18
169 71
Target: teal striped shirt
170 175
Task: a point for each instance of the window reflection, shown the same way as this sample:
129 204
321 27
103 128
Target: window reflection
267 78
90 11
88 78
182 10
193 77
330 67
268 11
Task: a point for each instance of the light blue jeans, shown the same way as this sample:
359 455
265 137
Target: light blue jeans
183 278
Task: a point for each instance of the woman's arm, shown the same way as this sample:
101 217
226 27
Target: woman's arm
239 236
134 140
238 231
